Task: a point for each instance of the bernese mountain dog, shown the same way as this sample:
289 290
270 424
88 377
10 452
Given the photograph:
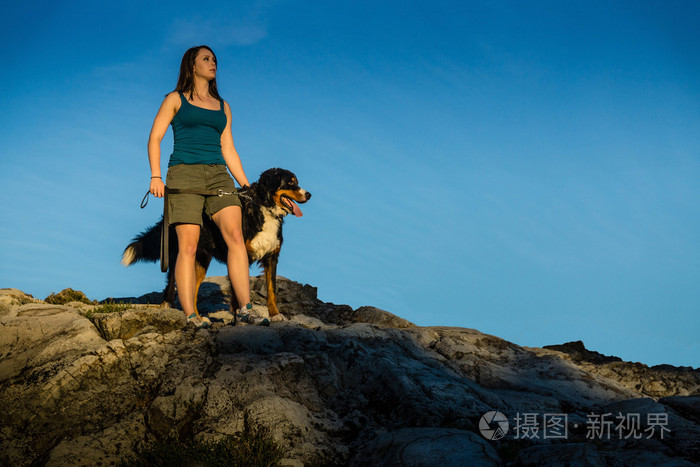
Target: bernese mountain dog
265 203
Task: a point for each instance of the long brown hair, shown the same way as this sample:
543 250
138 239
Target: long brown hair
185 82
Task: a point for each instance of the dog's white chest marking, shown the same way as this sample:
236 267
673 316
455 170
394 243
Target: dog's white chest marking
267 239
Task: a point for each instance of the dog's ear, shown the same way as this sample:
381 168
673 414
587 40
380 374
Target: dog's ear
261 192
275 176
267 185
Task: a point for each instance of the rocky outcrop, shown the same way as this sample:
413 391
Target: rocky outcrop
656 381
335 386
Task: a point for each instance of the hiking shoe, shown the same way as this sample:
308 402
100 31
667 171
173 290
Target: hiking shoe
199 321
251 316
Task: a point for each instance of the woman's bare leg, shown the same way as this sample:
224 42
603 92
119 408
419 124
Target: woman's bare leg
187 239
229 222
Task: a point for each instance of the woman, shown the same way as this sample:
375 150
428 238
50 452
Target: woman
203 149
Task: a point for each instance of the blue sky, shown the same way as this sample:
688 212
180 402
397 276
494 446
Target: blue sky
527 169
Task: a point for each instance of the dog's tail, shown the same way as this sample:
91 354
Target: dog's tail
130 255
144 247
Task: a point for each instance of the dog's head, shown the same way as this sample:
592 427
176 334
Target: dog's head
279 188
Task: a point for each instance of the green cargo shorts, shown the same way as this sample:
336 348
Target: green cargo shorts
187 208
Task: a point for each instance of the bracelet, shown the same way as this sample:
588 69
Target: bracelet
158 177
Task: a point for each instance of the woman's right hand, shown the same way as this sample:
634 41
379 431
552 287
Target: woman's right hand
157 188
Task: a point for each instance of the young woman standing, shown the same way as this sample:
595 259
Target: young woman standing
203 149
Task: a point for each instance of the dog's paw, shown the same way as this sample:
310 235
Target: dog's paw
277 318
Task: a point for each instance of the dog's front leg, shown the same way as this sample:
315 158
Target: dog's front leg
270 265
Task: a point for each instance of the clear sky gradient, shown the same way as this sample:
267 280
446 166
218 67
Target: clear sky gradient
528 169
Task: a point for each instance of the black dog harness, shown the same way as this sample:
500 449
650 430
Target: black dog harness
165 229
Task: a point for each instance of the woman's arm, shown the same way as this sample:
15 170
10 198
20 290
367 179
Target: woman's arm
168 109
233 160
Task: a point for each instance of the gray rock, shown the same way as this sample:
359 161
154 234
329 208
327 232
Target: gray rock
428 447
130 323
167 414
510 369
687 406
661 428
102 448
224 317
638 457
379 317
310 322
574 454
92 388
371 315
36 336
13 298
334 385
657 381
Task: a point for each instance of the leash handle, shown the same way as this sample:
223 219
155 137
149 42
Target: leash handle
144 201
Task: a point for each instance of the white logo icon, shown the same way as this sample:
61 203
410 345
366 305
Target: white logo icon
493 425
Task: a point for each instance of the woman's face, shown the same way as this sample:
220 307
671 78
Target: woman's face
205 64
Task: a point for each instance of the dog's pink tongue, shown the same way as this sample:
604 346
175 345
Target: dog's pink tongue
295 208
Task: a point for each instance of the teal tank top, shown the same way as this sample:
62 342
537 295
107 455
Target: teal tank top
197 135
